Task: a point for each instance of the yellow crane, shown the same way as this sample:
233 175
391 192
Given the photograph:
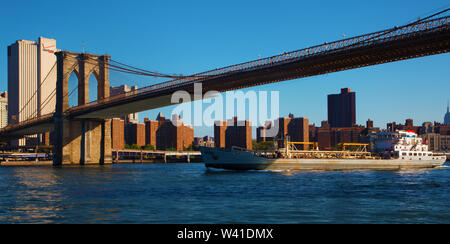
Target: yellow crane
315 144
363 145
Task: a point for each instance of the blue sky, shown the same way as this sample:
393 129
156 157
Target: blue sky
186 37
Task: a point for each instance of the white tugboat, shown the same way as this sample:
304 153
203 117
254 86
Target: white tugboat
392 150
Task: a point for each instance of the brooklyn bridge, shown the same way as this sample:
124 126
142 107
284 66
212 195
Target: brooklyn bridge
82 134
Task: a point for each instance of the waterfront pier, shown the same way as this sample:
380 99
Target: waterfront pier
142 156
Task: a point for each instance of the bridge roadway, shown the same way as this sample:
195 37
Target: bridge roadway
399 43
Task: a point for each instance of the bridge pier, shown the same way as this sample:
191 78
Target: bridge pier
81 140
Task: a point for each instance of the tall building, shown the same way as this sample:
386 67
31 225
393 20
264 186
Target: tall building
117 133
113 91
135 134
233 133
31 79
3 109
220 128
298 130
342 109
151 127
447 116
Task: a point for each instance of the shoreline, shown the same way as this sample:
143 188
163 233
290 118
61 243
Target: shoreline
50 163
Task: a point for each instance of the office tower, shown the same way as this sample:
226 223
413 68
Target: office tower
31 80
3 109
447 116
342 109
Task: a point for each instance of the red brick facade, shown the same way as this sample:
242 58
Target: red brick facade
135 134
117 134
296 128
163 134
233 133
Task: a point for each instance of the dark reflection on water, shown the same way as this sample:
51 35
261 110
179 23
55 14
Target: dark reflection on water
188 193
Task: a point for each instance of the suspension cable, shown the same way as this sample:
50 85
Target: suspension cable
39 87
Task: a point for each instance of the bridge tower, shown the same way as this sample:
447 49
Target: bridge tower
86 140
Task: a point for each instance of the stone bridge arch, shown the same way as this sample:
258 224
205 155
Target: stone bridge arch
81 141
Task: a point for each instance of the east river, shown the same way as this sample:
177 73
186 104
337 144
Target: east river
189 193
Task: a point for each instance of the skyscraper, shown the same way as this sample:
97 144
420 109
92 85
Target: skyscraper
31 79
3 109
447 116
342 109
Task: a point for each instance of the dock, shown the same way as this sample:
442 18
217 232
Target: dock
118 156
141 156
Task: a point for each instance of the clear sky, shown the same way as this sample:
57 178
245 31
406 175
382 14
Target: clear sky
186 37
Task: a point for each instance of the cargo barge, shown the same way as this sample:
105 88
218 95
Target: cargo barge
392 150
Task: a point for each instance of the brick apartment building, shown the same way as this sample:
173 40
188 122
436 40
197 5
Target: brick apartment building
117 133
296 128
436 135
342 109
233 133
261 132
163 133
160 133
328 137
135 134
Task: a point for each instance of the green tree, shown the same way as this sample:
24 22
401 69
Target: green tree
148 147
135 147
264 145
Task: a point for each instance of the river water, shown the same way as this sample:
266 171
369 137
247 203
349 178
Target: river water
188 193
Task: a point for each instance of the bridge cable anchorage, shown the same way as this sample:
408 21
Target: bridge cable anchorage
34 94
